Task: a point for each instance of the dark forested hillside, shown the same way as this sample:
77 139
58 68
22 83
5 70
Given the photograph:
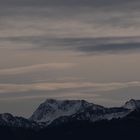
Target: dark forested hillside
116 129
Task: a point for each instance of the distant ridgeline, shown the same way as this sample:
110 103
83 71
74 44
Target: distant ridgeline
74 119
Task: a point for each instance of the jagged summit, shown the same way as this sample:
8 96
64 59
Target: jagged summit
132 104
66 104
52 109
53 102
57 111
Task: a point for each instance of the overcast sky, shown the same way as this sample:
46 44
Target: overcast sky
68 49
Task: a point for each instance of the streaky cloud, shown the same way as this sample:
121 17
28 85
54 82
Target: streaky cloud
12 88
36 67
87 45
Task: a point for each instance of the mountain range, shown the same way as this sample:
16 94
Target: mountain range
53 117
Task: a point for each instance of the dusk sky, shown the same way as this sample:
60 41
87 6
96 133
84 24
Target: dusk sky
68 49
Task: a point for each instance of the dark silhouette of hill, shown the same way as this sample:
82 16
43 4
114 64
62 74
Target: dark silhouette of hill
116 129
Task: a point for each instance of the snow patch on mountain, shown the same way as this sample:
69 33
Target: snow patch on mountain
132 104
77 109
7 119
52 109
59 111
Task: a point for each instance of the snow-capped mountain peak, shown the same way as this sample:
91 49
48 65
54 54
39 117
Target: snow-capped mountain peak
132 104
52 109
56 111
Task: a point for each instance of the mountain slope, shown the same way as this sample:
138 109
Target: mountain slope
60 111
74 119
9 120
126 128
132 104
52 110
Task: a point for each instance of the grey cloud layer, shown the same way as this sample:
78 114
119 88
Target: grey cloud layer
76 18
67 2
36 89
42 43
86 45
